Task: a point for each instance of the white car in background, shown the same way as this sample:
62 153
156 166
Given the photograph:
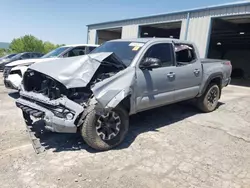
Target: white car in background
13 72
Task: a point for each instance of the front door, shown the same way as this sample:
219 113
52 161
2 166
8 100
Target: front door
155 87
188 72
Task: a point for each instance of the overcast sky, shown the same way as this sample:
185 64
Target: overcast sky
64 21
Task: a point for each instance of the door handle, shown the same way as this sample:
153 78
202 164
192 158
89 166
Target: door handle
171 74
196 71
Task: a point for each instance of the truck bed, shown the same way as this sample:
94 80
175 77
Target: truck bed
205 60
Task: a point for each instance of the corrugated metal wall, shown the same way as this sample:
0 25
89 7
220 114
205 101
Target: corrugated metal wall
198 27
130 31
91 36
183 29
198 32
200 24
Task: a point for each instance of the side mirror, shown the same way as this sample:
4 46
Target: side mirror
150 63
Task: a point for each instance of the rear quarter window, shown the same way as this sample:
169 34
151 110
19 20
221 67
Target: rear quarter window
185 53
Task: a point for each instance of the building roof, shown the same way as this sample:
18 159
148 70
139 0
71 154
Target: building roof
151 39
178 12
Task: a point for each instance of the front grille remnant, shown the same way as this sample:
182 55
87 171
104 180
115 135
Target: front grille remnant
40 83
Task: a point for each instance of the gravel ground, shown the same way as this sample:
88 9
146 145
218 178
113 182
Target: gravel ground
173 146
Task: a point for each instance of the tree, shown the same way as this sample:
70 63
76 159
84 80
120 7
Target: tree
3 52
48 46
27 43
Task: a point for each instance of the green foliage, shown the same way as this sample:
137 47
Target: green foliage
48 46
2 52
29 43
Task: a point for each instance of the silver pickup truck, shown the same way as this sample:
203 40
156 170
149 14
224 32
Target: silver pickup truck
96 93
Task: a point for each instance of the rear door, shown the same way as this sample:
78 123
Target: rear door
188 72
155 87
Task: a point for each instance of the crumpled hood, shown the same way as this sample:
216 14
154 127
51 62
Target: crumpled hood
72 72
27 61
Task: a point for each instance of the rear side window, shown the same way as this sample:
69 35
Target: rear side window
185 54
26 56
163 52
36 55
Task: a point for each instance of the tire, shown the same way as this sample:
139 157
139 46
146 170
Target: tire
89 129
204 103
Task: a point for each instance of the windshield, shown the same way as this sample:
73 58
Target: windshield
124 50
8 56
55 53
16 56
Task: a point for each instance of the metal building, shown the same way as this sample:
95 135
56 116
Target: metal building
221 31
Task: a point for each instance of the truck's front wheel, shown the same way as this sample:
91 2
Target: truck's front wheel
209 100
103 132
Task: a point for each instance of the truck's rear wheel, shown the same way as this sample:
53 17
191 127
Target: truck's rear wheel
209 100
103 132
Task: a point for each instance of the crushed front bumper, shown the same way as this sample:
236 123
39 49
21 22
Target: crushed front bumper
60 115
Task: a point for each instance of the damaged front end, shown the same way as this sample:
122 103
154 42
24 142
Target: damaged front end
59 91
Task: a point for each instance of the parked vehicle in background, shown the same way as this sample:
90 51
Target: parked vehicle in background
95 94
20 56
5 59
14 71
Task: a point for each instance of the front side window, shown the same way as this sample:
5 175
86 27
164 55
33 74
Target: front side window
185 54
163 52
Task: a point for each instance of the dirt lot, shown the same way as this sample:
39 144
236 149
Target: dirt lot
173 146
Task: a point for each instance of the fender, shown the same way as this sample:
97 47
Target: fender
119 97
210 78
111 91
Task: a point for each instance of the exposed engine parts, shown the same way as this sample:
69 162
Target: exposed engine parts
39 83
